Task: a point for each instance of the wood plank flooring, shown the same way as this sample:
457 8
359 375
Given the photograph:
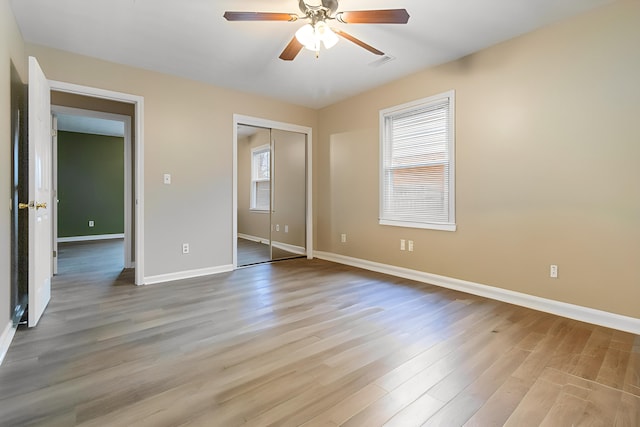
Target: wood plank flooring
305 343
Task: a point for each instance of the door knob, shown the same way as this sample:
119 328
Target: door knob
32 205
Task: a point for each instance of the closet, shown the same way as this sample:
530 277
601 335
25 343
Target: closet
271 194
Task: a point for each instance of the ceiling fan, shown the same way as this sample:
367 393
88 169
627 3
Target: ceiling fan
317 31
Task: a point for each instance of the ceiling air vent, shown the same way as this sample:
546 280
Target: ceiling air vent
380 62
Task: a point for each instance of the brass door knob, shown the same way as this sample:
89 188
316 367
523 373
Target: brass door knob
42 205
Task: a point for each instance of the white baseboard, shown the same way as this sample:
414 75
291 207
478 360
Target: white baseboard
5 340
571 311
91 237
161 278
253 238
284 246
289 248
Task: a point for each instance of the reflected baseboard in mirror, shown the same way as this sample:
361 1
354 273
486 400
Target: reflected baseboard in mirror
278 252
251 252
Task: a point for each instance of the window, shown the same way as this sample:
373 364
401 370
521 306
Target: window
417 164
260 178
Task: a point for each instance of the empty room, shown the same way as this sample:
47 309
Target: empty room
324 213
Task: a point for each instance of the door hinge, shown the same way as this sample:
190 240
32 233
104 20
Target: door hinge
55 254
54 132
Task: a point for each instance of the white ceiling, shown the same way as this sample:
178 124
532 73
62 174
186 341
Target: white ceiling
190 38
91 125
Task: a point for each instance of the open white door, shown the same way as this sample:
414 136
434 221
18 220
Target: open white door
40 206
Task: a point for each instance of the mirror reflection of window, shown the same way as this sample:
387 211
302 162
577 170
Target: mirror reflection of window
260 178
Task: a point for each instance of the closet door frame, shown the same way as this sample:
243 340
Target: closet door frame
239 119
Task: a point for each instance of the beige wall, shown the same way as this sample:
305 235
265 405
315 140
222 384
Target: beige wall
188 133
11 49
252 223
547 151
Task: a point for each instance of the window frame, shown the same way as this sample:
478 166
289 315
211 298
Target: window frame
399 110
255 180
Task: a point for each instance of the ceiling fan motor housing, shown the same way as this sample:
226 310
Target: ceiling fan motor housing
312 7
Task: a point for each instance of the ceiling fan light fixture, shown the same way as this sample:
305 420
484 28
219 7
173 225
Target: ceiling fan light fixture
306 36
324 33
311 36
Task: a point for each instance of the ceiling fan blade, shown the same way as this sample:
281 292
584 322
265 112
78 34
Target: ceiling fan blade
357 41
291 51
388 16
259 16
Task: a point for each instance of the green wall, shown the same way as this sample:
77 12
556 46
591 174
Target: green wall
90 184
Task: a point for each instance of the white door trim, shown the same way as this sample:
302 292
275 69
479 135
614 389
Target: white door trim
270 124
54 192
138 102
58 109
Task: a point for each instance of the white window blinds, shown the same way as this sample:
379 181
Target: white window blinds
262 195
417 153
260 178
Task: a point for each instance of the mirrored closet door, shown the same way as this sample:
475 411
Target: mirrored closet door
271 195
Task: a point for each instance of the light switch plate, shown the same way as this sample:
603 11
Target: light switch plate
167 178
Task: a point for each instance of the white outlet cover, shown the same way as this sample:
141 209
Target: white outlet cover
167 178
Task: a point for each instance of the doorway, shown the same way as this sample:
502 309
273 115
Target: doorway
79 97
93 147
32 255
272 191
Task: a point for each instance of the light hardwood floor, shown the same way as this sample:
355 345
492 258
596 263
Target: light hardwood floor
307 343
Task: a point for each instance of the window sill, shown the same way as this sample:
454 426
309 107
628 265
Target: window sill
429 226
258 210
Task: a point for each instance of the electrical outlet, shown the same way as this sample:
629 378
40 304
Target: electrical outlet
553 271
92 223
402 244
185 248
277 227
343 238
410 242
167 178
